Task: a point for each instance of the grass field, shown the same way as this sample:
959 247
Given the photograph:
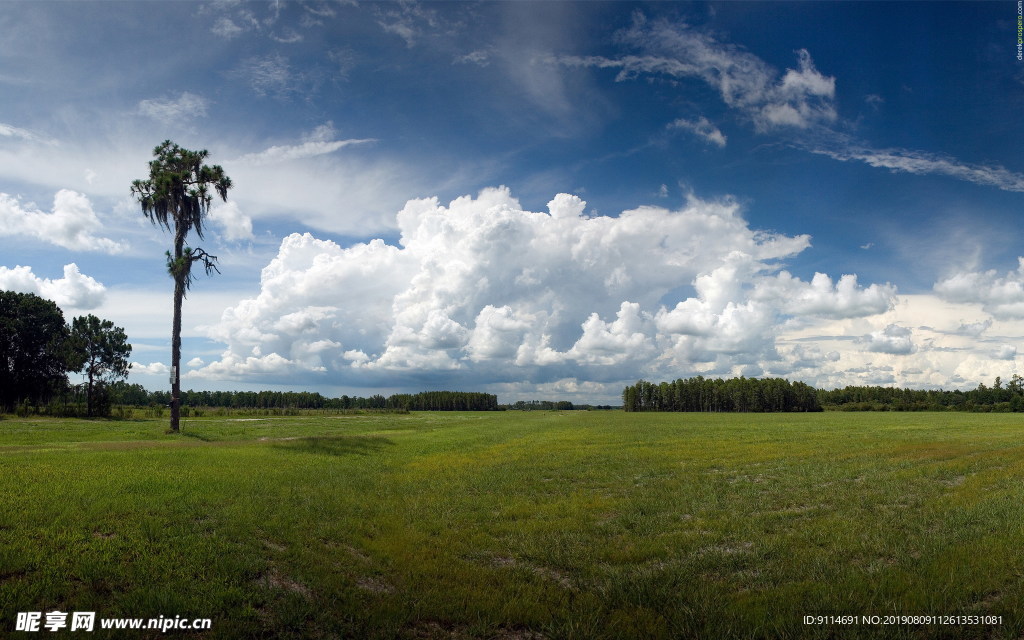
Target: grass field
519 525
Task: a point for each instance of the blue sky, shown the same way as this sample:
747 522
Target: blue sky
533 199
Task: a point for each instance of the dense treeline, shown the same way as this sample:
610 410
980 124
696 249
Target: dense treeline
553 405
444 401
137 395
718 395
776 394
998 398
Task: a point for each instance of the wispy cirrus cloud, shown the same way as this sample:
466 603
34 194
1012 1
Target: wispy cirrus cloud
308 148
924 163
799 98
17 133
800 101
702 128
185 107
268 75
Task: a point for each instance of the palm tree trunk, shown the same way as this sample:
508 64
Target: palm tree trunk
179 294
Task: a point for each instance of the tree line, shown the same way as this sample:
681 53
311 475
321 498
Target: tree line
756 395
138 396
1000 397
779 395
38 351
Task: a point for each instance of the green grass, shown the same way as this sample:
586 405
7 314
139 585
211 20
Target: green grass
519 525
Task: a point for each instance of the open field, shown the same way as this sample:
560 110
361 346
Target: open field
519 525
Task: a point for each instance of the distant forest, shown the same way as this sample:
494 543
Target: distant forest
779 395
999 398
758 395
137 395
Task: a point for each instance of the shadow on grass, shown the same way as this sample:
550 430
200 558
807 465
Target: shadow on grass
335 445
197 436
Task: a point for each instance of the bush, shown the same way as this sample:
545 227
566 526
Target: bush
24 409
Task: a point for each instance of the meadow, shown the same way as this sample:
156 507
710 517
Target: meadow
519 525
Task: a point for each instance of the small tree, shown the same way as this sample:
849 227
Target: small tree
103 352
177 197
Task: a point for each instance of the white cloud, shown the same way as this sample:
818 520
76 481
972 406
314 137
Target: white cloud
407 20
893 339
308 149
483 291
185 107
919 343
1002 296
313 291
1005 352
819 297
317 181
311 182
923 163
9 131
479 57
71 223
799 98
974 329
702 128
226 28
269 75
153 368
75 290
234 224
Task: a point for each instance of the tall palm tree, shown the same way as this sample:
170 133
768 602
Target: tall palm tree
177 197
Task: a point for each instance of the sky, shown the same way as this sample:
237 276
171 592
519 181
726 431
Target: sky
542 200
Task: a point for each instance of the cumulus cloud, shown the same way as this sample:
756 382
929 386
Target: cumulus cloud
702 128
75 290
482 290
153 368
313 294
1005 352
893 339
1001 296
234 224
974 329
174 110
845 299
71 223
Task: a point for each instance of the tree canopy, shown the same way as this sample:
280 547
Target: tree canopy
717 395
33 349
103 351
